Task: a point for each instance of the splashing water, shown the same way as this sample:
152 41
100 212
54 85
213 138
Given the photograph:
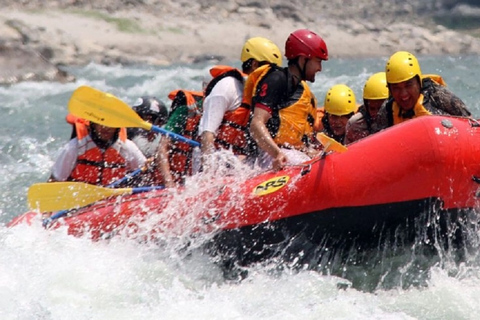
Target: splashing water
51 275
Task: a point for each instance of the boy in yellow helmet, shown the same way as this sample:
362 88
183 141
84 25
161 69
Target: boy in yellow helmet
414 95
340 106
375 92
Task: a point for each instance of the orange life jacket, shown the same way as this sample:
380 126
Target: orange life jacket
419 110
297 121
232 133
95 166
435 78
251 84
180 154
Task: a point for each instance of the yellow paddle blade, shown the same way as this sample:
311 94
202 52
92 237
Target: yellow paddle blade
330 144
105 109
56 196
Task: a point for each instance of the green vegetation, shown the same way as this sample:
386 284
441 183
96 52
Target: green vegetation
459 23
475 33
174 30
467 25
122 24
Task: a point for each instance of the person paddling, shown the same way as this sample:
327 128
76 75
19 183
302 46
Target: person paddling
98 155
284 106
174 159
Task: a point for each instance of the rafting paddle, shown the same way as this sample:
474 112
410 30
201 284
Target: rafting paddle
127 177
54 196
106 109
329 144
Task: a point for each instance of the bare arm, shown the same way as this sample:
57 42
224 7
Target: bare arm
162 162
260 134
207 142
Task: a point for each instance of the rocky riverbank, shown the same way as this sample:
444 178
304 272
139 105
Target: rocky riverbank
38 37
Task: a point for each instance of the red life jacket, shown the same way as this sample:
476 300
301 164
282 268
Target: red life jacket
180 154
95 166
232 133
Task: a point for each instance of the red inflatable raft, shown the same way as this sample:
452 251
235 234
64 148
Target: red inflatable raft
423 172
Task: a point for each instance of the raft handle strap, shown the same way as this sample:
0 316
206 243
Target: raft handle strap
474 123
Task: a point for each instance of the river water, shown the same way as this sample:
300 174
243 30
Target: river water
50 275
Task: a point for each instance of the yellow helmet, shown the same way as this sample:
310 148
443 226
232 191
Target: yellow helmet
402 66
261 49
376 87
340 100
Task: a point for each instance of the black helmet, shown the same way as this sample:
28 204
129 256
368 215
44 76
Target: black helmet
151 107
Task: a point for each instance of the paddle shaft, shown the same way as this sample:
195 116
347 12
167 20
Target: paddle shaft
175 136
127 177
326 148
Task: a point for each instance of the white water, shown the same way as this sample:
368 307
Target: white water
50 275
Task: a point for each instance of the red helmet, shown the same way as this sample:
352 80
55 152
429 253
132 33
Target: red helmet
305 43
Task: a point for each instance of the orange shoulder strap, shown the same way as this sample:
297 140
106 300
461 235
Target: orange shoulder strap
218 70
435 78
81 126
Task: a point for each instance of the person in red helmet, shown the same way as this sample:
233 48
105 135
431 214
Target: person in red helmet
284 106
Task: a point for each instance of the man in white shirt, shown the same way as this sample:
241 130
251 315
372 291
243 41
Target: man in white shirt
98 155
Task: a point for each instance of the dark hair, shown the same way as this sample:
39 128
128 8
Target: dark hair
247 65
